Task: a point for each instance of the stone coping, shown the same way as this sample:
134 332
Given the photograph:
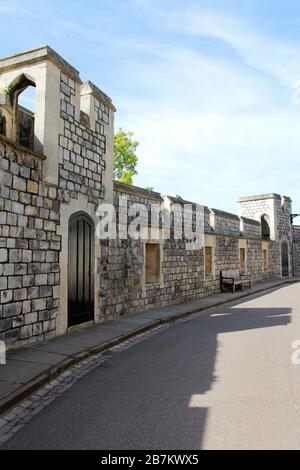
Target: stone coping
263 197
20 149
32 366
135 190
37 55
88 88
180 200
250 221
146 193
239 236
229 215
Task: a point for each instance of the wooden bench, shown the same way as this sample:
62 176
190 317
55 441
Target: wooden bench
233 278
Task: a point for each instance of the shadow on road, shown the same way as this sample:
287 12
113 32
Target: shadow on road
140 398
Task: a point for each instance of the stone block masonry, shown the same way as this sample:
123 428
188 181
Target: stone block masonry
81 149
64 174
30 247
296 251
67 170
122 266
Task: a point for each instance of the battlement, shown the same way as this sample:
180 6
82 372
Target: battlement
72 123
56 168
37 55
272 210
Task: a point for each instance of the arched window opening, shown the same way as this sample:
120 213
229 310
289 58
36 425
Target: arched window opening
265 228
22 104
25 117
2 125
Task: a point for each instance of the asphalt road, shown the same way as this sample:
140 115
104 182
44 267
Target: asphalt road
224 380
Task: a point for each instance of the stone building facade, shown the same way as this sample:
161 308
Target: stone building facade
56 167
296 250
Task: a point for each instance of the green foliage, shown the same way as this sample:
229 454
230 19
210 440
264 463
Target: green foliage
125 158
7 91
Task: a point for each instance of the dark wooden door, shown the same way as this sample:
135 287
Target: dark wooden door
81 269
285 258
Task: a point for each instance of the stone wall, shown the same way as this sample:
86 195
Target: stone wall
225 223
251 208
250 228
29 248
121 267
81 150
67 170
296 250
283 210
70 172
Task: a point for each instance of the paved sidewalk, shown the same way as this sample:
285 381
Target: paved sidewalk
32 366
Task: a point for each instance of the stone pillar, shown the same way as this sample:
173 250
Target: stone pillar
100 110
278 210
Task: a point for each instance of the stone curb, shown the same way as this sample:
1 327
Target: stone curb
53 371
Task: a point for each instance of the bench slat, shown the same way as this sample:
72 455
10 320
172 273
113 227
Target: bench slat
234 278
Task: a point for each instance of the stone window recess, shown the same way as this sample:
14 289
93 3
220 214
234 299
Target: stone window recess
208 254
152 263
265 260
25 127
243 260
2 124
85 119
19 124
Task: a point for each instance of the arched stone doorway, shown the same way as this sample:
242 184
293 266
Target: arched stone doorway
285 258
81 269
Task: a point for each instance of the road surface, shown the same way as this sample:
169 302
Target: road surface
223 380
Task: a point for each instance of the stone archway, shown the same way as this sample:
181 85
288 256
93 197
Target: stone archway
81 268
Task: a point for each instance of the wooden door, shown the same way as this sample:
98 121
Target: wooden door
81 269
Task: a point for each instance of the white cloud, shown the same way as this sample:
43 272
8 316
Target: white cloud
210 129
212 125
275 57
13 10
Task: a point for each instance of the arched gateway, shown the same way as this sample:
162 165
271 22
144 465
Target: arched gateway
81 269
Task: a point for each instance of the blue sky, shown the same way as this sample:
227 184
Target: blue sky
206 86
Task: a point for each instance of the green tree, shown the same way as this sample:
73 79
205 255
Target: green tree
125 158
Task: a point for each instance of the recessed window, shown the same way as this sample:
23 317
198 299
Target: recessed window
2 124
208 255
242 260
285 258
152 263
25 117
20 112
265 260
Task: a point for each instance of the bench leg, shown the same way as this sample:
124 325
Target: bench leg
233 288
